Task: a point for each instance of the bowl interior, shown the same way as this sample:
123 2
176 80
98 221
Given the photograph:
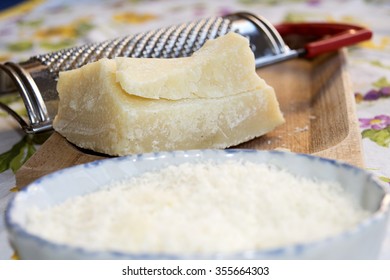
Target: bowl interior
83 179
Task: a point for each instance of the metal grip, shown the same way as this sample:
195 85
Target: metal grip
175 41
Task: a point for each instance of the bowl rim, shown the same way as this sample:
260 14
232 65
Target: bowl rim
294 249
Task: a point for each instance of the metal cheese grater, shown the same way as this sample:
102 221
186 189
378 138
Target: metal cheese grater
35 80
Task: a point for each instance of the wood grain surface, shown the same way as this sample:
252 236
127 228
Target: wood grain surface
315 97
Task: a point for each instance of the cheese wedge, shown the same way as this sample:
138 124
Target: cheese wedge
96 113
203 75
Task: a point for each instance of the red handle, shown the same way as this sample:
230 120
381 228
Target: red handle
333 35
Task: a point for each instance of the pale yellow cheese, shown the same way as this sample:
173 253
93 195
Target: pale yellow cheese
222 67
96 113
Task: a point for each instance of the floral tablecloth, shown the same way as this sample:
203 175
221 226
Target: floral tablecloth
40 26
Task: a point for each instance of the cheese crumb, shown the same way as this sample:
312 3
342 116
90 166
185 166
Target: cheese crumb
301 129
201 208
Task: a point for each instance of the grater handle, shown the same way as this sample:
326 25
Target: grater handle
329 36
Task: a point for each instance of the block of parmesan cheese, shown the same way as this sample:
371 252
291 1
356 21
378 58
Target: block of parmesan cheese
96 113
204 74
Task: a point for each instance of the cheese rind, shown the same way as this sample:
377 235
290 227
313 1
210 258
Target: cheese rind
203 75
96 113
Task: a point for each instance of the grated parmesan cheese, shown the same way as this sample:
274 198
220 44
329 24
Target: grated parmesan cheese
201 208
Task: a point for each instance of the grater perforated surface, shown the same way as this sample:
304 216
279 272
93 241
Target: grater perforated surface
174 41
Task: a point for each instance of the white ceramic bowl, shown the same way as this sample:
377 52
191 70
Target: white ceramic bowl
361 242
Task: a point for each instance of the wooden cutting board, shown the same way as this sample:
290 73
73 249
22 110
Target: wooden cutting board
315 97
